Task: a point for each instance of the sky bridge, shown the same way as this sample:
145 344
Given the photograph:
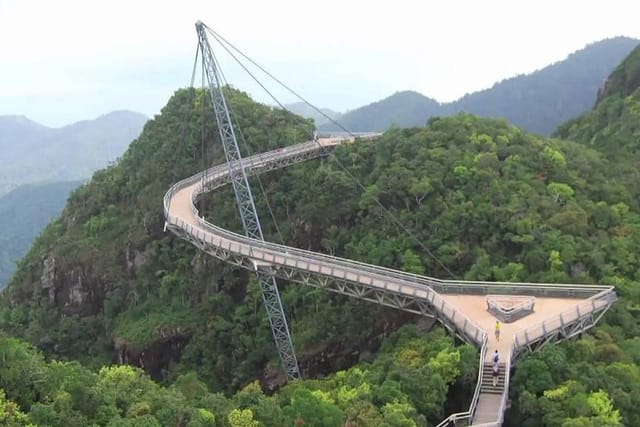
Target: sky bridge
534 315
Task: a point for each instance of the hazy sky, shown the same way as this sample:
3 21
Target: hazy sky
68 60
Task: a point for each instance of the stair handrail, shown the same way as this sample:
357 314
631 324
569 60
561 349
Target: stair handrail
468 414
505 395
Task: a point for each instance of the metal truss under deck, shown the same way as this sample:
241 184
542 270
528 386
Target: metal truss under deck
408 303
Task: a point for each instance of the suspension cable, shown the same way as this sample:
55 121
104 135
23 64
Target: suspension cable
223 42
249 152
183 126
202 140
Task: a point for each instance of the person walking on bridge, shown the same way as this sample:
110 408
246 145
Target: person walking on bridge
498 326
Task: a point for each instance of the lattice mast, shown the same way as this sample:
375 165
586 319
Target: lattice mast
246 205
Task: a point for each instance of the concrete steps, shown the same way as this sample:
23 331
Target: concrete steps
490 397
487 379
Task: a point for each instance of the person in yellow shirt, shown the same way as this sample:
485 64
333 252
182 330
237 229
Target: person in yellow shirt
498 330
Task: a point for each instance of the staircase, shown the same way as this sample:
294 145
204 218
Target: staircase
487 379
488 409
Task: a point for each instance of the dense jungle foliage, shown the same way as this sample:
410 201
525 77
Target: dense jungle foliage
489 200
406 385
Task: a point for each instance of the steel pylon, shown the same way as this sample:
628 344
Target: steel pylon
246 206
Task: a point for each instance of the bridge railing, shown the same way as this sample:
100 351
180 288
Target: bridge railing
469 414
218 176
584 308
442 286
235 243
295 257
217 173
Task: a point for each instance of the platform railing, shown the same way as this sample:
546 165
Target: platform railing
513 312
554 323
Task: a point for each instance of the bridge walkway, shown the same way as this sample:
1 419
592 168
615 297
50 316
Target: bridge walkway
561 311
489 406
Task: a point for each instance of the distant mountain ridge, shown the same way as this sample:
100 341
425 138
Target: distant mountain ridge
24 212
404 109
31 152
302 109
537 102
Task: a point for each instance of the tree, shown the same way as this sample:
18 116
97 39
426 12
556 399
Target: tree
242 418
411 262
561 192
10 415
315 408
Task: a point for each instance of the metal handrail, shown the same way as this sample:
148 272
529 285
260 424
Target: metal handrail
219 173
530 334
505 395
468 415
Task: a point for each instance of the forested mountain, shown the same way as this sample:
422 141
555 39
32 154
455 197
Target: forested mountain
558 378
32 153
537 102
613 127
104 283
404 109
302 109
24 212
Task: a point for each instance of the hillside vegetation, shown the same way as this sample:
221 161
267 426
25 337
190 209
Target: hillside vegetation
104 283
406 385
613 127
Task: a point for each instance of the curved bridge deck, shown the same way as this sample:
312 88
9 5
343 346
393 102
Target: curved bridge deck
561 311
